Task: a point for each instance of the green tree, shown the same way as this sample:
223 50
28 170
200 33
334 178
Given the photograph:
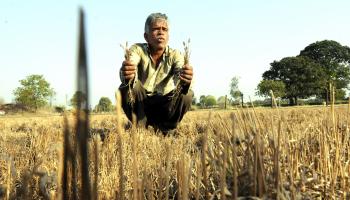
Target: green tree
340 94
301 75
334 60
278 88
207 101
234 90
210 100
34 92
235 93
202 101
78 97
194 100
104 105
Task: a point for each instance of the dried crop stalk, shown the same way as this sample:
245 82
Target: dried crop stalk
179 84
127 57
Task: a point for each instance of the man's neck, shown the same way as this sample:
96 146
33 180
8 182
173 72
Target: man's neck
156 56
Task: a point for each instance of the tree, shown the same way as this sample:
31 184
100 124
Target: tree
278 88
77 97
221 101
202 101
194 99
334 60
301 75
2 101
235 93
210 101
104 105
234 90
34 92
207 101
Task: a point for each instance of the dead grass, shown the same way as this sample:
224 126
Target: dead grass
289 153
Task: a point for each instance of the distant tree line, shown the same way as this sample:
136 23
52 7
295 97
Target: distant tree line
319 67
35 92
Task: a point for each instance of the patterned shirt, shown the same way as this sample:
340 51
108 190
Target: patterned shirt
161 80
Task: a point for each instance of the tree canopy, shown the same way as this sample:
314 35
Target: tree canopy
104 105
207 101
34 92
301 75
310 73
334 60
277 86
77 97
234 90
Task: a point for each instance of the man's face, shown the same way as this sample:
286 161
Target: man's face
158 35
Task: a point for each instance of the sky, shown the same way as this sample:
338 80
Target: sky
228 39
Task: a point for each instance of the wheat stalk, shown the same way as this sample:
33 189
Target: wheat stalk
178 88
120 146
127 57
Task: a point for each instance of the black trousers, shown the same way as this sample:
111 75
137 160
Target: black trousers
160 111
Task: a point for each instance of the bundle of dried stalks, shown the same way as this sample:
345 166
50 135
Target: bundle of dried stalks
179 84
127 57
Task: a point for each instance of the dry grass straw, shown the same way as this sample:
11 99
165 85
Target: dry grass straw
234 159
285 153
127 55
120 193
183 168
204 157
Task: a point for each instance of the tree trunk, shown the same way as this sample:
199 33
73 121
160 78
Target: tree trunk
327 97
291 101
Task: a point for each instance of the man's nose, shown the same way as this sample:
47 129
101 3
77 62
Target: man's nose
162 31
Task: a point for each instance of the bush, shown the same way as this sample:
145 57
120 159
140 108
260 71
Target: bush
59 109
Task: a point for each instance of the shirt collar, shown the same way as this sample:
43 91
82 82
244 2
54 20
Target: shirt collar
165 53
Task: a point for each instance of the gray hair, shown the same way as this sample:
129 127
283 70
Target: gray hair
152 18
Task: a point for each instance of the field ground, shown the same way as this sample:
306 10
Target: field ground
263 153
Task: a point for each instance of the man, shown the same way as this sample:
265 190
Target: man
150 74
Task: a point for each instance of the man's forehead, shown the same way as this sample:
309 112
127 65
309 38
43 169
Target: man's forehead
160 22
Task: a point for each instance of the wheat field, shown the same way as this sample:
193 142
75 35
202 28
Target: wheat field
250 153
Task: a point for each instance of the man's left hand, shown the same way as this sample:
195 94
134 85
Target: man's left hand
186 74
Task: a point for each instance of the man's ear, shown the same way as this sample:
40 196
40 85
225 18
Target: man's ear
145 36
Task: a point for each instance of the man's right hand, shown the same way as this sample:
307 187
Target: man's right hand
128 70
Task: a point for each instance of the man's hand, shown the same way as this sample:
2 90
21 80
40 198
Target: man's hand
186 74
128 70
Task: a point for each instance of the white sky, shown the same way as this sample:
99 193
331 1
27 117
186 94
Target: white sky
228 38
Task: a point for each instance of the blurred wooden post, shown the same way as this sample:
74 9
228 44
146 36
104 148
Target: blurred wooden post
242 98
82 123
